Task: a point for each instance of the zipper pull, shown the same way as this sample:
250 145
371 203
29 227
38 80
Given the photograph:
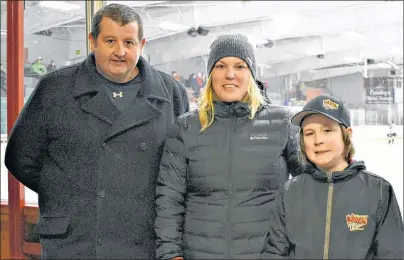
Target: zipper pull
329 178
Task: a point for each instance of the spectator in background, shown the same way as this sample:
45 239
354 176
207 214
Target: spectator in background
176 76
38 67
51 66
192 83
199 80
3 78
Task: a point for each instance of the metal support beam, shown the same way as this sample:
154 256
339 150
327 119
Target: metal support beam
15 102
91 8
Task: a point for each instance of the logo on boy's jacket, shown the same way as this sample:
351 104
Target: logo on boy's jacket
328 104
356 222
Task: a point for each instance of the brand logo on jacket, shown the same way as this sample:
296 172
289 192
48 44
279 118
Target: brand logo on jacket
115 94
356 222
259 137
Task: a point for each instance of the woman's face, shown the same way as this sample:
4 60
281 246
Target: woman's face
230 78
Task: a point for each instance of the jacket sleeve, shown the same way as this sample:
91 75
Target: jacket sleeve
27 143
292 150
277 245
389 240
170 194
181 102
185 100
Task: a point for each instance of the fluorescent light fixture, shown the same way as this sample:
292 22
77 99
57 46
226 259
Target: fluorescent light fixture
352 36
3 32
352 59
287 22
59 5
266 66
170 26
383 65
255 40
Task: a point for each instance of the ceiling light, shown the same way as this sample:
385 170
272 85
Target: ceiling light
287 22
266 66
352 59
383 65
256 40
3 32
170 26
352 36
59 5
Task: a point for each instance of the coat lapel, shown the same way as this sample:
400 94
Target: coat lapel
148 104
99 104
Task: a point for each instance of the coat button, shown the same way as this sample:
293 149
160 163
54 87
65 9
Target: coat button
104 145
141 196
143 146
100 241
101 194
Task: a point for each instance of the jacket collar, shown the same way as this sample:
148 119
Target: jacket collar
88 81
348 173
225 110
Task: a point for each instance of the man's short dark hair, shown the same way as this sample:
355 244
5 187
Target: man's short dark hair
121 14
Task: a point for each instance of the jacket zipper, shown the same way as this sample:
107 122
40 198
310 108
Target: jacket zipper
328 217
230 187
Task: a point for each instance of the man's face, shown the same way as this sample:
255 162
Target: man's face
117 50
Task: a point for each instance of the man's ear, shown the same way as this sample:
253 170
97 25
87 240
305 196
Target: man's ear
142 43
92 41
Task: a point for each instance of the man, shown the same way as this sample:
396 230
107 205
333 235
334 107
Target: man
51 66
38 67
176 76
89 142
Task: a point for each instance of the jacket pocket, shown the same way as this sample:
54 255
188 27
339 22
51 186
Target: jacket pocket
52 226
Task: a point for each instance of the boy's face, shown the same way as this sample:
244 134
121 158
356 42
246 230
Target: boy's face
323 142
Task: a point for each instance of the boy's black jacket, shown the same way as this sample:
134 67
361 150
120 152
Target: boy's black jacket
353 214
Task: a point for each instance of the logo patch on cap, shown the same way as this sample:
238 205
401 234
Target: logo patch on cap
328 104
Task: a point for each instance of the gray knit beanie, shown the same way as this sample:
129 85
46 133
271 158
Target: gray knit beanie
234 45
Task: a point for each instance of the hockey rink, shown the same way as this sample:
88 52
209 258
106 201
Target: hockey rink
371 146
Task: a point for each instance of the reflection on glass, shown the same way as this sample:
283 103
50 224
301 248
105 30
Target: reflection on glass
55 36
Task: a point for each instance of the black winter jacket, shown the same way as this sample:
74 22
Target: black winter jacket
94 167
216 188
352 214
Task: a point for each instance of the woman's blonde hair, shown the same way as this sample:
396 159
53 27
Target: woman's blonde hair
206 109
349 149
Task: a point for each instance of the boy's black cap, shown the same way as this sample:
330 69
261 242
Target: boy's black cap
329 106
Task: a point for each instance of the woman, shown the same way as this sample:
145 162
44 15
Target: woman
223 163
336 209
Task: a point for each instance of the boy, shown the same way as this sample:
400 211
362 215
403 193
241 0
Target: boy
336 209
